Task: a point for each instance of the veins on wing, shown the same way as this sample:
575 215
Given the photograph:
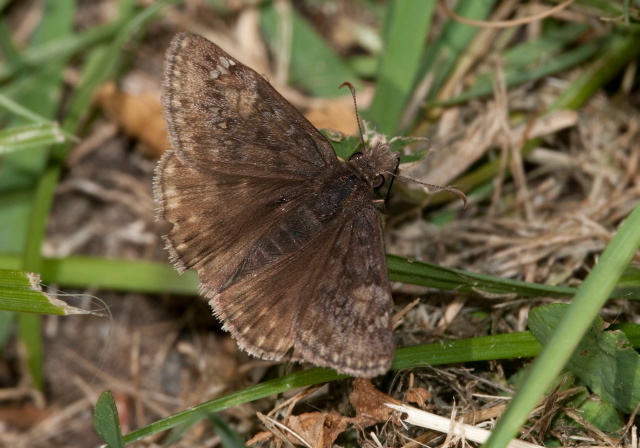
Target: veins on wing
301 222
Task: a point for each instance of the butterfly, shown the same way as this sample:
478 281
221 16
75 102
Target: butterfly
286 238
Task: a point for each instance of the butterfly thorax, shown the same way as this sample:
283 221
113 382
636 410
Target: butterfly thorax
374 161
337 192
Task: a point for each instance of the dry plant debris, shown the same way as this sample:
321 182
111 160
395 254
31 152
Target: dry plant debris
573 204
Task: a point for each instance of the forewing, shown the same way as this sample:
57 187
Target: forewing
223 116
330 301
217 219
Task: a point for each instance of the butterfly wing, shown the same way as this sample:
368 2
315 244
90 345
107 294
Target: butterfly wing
217 218
336 312
241 156
347 324
244 190
223 116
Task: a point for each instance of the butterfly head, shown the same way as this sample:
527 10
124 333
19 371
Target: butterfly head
375 162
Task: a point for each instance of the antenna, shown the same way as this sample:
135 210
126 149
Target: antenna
355 106
453 190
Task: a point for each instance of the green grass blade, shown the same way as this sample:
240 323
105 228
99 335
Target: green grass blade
419 273
121 275
406 28
156 278
20 138
21 292
37 222
580 314
313 64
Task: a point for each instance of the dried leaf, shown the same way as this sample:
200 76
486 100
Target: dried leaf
418 395
139 115
319 429
370 403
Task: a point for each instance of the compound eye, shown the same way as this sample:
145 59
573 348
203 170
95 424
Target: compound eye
355 156
378 181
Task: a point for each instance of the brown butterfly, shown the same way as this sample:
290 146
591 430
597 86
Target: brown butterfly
285 237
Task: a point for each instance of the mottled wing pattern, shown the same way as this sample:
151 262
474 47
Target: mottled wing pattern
223 116
217 218
347 325
333 313
242 155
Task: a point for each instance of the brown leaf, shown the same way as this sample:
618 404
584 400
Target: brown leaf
418 395
370 403
262 437
21 417
319 429
139 115
336 114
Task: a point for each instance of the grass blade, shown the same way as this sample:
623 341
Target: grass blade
21 292
580 314
406 29
19 138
